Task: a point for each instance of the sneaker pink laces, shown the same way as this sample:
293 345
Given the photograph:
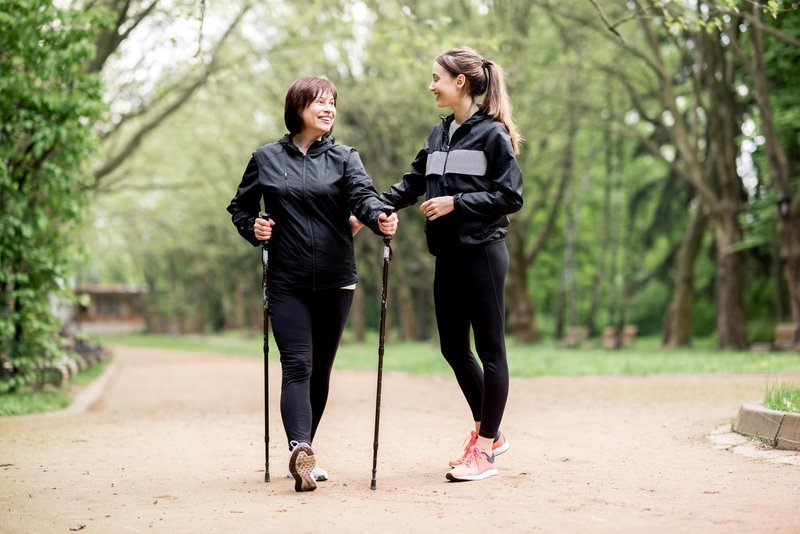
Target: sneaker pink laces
499 446
477 465
470 442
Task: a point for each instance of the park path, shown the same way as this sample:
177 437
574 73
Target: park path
173 442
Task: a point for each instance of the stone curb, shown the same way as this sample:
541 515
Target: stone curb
779 429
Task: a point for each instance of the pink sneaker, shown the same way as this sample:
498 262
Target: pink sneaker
477 465
499 446
473 439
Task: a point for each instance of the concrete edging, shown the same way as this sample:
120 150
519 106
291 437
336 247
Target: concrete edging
780 429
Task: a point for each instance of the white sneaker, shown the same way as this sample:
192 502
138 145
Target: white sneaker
319 474
301 464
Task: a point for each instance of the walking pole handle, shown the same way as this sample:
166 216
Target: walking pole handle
266 216
387 239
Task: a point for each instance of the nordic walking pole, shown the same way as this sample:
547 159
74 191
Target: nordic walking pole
265 293
387 257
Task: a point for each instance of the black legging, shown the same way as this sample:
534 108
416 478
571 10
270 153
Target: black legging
468 290
307 327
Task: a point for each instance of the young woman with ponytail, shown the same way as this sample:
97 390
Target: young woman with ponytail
469 175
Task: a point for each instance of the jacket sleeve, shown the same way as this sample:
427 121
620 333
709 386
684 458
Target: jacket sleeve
246 204
504 195
362 197
406 192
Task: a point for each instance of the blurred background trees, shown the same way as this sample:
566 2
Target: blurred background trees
660 161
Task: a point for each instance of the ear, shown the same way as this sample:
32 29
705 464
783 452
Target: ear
461 81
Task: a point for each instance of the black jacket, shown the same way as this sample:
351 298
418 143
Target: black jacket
478 168
310 197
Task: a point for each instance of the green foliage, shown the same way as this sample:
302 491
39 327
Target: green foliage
46 104
166 203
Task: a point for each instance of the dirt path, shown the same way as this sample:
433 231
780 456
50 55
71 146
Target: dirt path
174 443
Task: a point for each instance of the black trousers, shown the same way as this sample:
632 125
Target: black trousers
307 327
468 291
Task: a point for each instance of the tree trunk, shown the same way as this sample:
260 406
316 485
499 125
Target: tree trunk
608 166
568 269
714 176
730 312
788 225
723 129
401 290
235 307
521 312
678 323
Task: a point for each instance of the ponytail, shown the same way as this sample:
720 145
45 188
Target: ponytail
496 103
484 77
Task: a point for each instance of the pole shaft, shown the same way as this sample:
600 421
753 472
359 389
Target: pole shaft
387 256
264 281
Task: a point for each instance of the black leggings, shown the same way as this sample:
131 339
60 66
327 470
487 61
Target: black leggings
307 327
468 290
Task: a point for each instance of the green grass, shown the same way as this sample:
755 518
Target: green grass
546 359
34 402
50 398
784 397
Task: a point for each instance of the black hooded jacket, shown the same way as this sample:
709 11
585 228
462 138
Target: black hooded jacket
478 168
310 197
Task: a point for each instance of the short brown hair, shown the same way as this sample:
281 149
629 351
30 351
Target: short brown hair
302 93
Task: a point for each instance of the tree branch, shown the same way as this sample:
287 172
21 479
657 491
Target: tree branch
608 24
135 141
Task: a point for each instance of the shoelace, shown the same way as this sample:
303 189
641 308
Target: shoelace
474 455
470 442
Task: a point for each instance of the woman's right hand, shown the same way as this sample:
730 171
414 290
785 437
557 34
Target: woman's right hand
262 228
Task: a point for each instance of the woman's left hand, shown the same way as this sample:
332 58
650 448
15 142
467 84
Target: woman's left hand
437 207
387 224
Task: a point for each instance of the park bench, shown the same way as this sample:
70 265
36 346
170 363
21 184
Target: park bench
576 336
784 337
626 338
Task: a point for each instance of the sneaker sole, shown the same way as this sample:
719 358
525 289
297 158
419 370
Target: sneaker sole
301 464
321 478
501 449
468 478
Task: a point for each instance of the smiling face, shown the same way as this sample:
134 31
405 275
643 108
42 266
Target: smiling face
318 117
448 89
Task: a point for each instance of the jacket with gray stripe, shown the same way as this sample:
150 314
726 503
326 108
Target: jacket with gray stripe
478 168
310 197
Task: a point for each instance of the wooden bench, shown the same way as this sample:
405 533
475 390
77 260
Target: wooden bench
626 338
784 337
576 336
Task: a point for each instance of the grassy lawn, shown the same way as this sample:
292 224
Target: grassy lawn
546 359
50 398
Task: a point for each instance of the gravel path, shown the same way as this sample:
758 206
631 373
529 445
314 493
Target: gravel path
173 442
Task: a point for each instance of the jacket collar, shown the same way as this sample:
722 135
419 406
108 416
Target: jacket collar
478 116
316 148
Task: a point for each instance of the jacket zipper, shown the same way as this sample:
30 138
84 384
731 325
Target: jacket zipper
447 143
310 231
